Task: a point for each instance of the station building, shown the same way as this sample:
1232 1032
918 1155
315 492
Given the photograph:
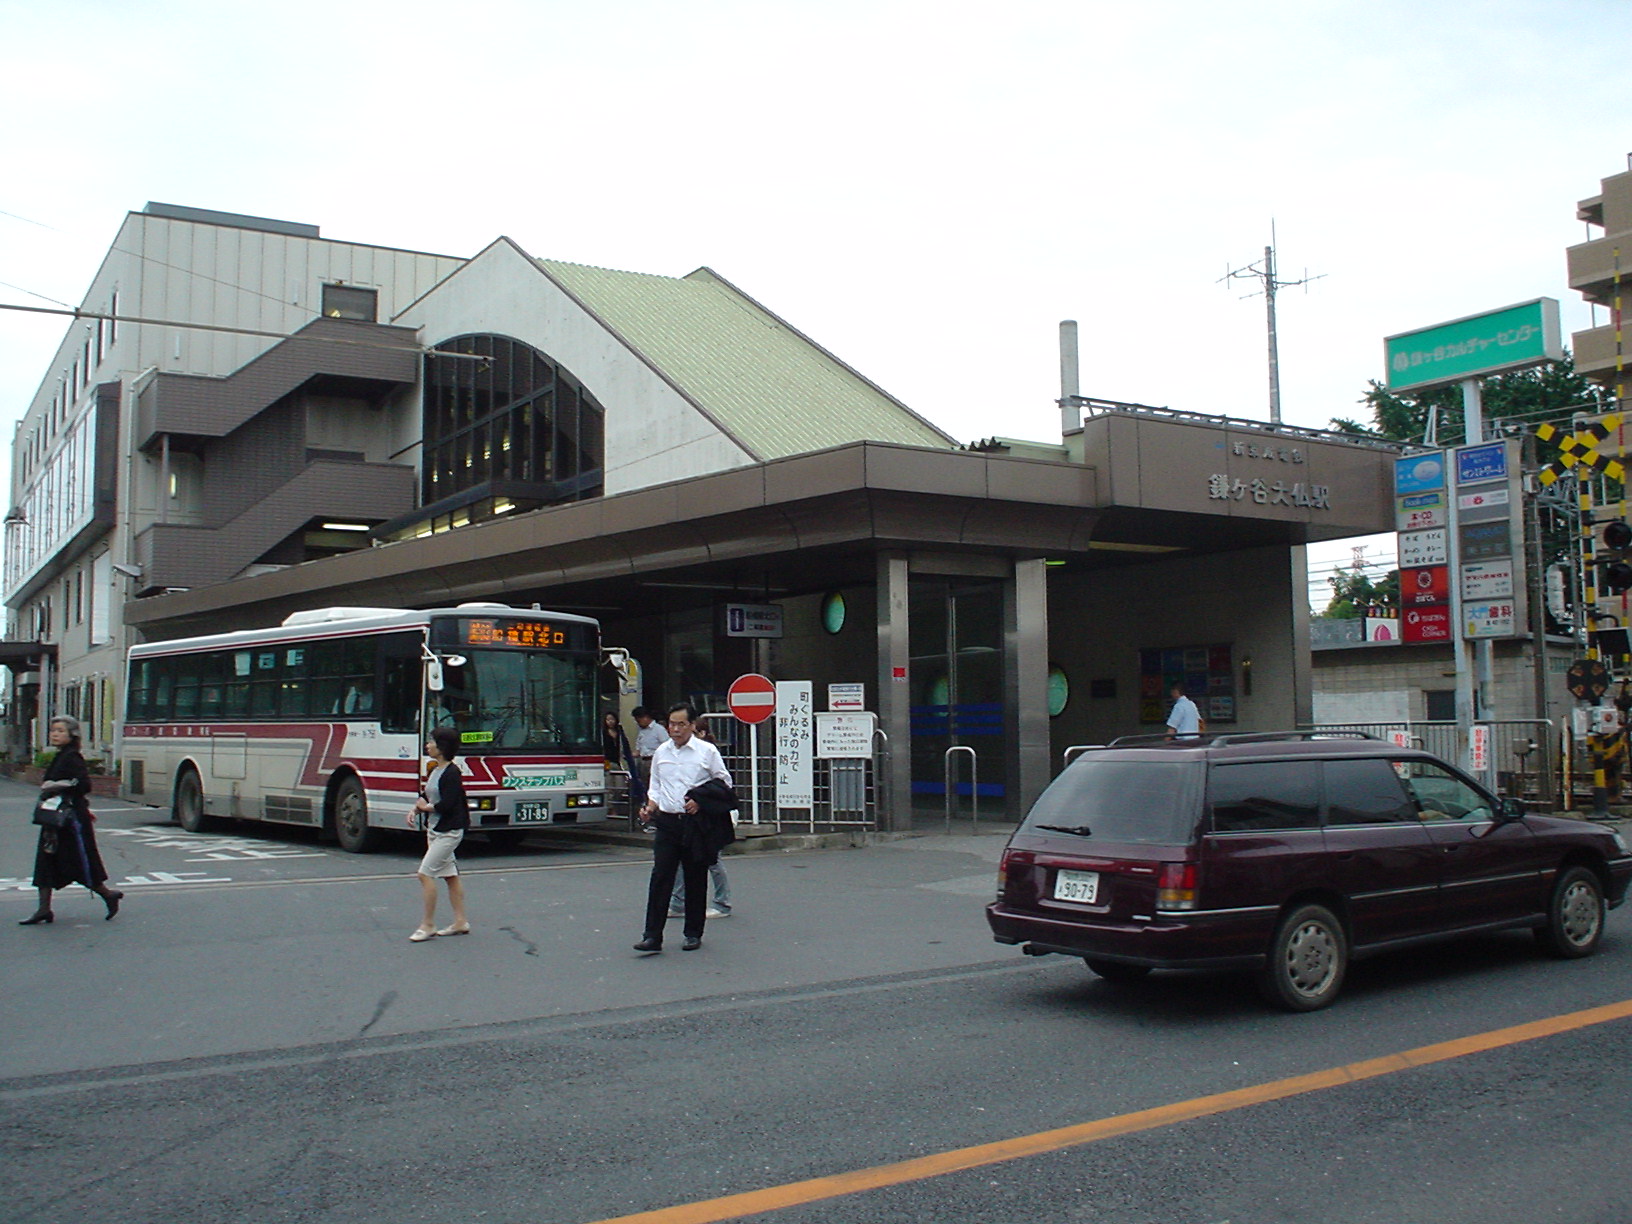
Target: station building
249 419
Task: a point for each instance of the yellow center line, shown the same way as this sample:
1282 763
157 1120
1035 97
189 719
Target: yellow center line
817 1189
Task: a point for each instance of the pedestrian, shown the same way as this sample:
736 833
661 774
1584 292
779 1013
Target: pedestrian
68 855
444 812
720 907
618 755
648 740
685 839
1183 720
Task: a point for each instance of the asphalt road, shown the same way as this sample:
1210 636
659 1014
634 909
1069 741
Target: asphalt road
254 1038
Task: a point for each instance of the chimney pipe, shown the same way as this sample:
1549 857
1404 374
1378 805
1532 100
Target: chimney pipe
1070 417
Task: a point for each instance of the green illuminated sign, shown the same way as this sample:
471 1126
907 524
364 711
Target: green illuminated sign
1506 339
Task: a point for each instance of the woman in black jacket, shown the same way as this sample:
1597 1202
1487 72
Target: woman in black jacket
68 855
445 813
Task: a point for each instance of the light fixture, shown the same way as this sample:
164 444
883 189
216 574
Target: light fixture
345 526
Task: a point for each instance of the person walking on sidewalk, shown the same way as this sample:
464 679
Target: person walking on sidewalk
68 855
683 839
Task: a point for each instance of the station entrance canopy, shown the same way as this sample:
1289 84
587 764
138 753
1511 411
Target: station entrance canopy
1132 485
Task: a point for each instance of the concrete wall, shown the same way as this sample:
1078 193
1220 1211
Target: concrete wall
1099 621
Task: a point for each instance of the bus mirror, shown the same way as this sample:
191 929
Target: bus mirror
455 660
433 675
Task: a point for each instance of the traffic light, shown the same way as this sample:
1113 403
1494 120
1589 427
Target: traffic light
1617 573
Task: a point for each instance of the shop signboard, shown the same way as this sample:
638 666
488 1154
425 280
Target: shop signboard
1426 624
1487 580
1511 338
1496 618
1420 548
1425 587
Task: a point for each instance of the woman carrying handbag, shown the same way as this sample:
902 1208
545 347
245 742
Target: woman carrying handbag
67 850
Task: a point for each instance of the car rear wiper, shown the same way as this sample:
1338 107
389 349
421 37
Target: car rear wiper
1074 830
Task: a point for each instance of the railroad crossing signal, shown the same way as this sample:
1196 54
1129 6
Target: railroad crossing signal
1583 448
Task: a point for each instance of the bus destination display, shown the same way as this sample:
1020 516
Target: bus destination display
524 633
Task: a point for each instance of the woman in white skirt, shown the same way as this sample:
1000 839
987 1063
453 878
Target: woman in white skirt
445 814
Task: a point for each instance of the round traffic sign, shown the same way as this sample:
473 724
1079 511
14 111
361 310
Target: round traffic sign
752 698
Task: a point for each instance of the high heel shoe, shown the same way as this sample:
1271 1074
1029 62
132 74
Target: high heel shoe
38 917
112 898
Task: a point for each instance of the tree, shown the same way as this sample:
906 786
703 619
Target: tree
1542 393
1353 591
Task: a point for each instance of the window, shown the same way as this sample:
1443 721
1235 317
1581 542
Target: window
1366 792
1441 795
1264 795
502 412
1440 704
350 302
1123 801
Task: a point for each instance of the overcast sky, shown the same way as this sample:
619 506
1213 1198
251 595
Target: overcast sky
924 188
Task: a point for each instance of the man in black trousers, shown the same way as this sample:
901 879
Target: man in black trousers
683 840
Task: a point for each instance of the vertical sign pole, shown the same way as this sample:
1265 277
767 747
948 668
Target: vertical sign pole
753 770
1459 642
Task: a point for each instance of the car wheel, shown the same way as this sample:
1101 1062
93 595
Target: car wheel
188 805
1116 971
1575 916
351 818
1307 960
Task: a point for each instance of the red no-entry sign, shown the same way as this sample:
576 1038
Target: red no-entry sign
752 698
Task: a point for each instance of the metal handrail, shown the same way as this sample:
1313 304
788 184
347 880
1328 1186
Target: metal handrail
974 786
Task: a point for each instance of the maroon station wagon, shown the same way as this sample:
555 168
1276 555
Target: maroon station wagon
1288 854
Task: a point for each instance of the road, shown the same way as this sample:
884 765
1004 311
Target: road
254 1038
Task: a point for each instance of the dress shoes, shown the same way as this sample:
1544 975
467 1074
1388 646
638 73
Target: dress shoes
37 917
111 899
649 944
693 942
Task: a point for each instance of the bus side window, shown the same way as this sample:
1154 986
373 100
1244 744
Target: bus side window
400 682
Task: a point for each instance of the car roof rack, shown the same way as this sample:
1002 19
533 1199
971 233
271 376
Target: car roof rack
1267 737
1154 739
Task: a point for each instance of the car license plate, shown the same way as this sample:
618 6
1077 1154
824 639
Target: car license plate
1076 886
531 813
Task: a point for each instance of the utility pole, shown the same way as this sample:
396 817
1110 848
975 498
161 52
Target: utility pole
1264 273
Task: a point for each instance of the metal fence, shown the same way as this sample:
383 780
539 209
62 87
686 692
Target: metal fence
1525 753
848 793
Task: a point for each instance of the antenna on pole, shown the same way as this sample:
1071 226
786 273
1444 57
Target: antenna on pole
1264 273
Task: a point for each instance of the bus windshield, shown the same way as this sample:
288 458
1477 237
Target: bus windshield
519 700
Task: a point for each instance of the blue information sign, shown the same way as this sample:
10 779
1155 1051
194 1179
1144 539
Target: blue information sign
1479 463
1419 473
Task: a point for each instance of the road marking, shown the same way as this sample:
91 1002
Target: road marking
818 1189
166 882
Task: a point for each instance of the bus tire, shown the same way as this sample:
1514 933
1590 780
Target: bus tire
187 804
351 818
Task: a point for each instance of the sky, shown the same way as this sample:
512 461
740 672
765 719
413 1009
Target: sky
926 189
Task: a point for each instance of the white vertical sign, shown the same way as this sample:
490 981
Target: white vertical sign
795 733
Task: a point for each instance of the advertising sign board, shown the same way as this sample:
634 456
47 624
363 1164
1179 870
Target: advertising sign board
1487 580
1420 511
1426 624
1476 464
1495 619
1506 339
1421 548
1485 541
1425 587
1419 473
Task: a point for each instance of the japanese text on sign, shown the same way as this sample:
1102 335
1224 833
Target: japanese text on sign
795 780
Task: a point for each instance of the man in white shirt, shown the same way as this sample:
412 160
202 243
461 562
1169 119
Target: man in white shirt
677 766
648 740
1183 720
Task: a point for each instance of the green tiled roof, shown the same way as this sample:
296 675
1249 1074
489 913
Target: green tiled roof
770 388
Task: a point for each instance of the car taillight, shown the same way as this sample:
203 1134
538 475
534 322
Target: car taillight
1176 887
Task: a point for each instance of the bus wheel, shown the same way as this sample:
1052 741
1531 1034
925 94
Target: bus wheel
188 805
351 818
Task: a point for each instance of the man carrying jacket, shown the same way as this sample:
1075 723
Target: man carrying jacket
683 839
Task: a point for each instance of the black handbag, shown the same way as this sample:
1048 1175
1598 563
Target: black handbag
52 813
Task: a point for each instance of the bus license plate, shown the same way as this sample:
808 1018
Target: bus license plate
531 813
1080 886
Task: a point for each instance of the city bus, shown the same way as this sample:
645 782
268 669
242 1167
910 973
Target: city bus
322 721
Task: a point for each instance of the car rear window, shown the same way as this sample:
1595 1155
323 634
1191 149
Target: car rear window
1124 801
